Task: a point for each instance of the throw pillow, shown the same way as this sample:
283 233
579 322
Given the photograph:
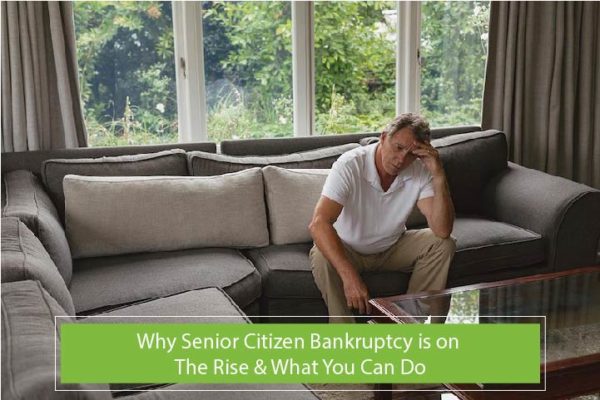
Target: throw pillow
121 215
291 196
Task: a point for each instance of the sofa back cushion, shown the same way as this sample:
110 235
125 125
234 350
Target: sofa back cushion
27 200
28 334
203 164
291 196
24 258
168 162
470 161
121 215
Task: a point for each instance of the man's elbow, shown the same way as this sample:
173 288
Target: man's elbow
442 232
315 226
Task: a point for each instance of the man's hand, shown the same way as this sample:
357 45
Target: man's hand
438 209
357 295
430 157
329 243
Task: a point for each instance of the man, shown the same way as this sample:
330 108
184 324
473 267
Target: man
359 221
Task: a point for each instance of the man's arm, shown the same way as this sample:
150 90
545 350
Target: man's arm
438 209
329 243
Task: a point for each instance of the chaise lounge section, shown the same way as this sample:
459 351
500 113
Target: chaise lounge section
32 314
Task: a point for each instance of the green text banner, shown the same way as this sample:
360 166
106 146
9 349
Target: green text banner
299 353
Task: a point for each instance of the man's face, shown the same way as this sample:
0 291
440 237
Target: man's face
396 151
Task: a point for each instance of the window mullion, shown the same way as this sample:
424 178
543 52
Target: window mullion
408 77
303 68
189 61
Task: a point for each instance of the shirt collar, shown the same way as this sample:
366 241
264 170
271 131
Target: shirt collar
372 176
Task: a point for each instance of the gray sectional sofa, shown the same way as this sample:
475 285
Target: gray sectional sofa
121 243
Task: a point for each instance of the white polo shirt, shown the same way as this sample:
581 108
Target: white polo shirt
373 220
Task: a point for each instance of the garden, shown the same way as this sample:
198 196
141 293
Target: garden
126 63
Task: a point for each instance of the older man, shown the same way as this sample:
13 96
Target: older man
359 223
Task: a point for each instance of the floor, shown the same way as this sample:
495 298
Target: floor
365 392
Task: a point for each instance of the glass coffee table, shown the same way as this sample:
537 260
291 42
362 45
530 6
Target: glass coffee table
570 300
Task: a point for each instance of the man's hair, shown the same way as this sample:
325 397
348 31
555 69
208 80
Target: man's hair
416 123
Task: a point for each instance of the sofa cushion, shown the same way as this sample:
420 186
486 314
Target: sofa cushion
24 258
28 346
482 246
106 282
209 305
286 273
201 163
168 162
485 246
291 196
123 215
27 199
470 161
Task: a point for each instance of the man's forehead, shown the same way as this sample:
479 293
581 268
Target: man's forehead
404 136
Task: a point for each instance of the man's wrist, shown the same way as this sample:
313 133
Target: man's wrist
348 273
439 178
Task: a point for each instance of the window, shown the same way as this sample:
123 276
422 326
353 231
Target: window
453 54
355 65
248 69
127 72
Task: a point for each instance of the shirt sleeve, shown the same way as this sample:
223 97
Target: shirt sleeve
426 185
337 185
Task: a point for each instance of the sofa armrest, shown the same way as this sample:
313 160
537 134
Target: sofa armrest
26 199
565 213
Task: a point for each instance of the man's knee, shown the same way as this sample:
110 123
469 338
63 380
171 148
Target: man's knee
446 245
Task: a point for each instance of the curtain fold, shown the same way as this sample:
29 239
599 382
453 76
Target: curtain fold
542 85
41 106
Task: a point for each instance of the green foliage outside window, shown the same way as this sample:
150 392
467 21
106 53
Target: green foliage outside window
355 46
127 69
248 86
453 55
127 73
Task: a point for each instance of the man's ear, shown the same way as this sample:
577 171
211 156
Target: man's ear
382 137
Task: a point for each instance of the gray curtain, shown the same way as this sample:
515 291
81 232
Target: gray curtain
41 107
542 85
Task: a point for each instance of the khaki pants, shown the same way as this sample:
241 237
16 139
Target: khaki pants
418 251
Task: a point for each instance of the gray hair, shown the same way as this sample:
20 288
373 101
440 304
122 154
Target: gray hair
415 122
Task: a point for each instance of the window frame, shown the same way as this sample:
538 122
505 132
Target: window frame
189 59
408 70
303 68
188 40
